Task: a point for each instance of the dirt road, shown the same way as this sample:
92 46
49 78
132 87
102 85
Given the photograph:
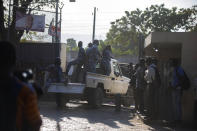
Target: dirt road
77 117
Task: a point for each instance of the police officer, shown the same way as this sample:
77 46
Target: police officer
94 56
88 55
140 85
151 78
58 70
105 62
80 61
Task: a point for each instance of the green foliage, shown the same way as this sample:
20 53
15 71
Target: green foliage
23 6
102 45
32 35
71 43
124 33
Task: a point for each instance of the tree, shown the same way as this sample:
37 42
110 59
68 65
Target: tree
22 6
30 36
124 33
71 44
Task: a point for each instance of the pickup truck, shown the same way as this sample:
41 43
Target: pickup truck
96 87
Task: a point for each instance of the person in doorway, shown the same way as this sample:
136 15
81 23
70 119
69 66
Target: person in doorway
19 109
176 90
150 77
105 62
80 61
157 84
140 85
153 81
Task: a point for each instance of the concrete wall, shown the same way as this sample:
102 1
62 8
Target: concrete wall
189 63
177 45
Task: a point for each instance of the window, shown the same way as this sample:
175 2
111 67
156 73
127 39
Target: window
116 69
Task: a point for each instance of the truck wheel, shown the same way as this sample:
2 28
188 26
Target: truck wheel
90 96
128 99
98 97
117 102
60 100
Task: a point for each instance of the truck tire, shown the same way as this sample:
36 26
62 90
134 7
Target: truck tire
98 97
90 96
61 100
117 102
128 99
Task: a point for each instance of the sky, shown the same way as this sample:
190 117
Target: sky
77 17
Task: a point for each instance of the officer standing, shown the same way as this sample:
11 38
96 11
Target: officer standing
88 55
80 61
105 62
140 85
94 56
151 77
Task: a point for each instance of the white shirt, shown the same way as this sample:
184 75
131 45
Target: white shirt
150 73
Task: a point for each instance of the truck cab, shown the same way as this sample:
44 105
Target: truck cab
115 83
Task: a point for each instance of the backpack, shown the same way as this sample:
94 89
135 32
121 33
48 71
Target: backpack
184 80
157 81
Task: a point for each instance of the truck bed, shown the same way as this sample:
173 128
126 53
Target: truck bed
70 88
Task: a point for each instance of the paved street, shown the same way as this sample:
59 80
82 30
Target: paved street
76 117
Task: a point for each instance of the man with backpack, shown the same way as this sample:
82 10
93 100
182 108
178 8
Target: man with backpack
19 110
178 83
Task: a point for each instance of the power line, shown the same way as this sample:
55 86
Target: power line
69 26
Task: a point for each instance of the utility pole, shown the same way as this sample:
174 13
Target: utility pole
56 26
8 34
56 21
60 22
94 21
141 46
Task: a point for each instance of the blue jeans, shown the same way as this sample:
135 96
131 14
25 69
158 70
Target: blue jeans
106 66
74 62
177 107
91 66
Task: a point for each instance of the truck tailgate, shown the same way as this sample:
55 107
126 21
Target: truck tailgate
70 88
